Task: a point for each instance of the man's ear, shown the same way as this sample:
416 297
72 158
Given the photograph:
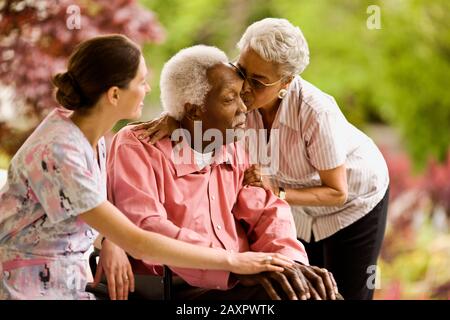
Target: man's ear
193 112
113 95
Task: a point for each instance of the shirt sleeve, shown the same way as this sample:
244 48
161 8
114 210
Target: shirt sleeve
133 189
268 222
325 141
61 179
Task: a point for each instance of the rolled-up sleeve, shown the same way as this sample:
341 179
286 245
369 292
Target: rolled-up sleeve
133 188
268 222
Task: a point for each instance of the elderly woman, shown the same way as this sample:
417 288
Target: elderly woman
332 174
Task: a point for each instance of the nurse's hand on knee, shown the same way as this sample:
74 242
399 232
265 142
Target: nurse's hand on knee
116 266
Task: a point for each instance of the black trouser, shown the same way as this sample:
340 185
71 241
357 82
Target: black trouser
351 253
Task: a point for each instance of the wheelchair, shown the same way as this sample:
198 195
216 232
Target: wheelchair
147 287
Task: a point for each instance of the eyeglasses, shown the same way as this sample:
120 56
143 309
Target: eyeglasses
254 83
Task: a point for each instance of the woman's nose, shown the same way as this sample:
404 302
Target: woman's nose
245 87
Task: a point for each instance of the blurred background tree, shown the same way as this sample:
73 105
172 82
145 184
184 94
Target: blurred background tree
398 75
36 38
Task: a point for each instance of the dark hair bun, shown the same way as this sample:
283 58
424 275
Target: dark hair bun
95 66
68 92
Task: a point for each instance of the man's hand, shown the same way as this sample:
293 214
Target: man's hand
119 275
297 282
320 281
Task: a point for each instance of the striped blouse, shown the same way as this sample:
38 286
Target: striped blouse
310 133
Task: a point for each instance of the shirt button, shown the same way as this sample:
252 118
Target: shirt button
213 198
219 227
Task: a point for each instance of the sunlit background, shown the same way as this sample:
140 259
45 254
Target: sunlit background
391 80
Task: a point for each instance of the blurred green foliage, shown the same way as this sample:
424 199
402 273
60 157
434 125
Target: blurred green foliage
4 160
415 264
398 74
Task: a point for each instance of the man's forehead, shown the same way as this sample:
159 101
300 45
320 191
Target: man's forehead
222 74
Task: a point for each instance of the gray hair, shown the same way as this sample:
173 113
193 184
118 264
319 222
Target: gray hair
184 79
277 40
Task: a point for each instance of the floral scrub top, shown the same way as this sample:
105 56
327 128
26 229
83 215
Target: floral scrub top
54 177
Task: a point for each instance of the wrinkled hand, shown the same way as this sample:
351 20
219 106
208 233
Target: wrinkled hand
297 282
157 129
253 177
116 266
256 262
321 282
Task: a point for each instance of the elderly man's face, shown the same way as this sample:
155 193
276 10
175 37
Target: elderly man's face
224 108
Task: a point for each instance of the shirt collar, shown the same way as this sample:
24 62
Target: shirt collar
289 110
182 157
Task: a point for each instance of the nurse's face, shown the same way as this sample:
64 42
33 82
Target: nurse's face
131 99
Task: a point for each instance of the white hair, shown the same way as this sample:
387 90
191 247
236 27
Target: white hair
184 79
277 40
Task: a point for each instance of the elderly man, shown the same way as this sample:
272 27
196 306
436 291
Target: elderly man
203 200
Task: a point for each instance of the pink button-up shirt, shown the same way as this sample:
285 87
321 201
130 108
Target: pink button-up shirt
208 207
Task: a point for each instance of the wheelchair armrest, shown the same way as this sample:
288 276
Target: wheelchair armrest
167 274
167 280
93 260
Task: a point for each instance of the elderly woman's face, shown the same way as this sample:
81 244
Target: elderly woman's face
263 80
224 108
